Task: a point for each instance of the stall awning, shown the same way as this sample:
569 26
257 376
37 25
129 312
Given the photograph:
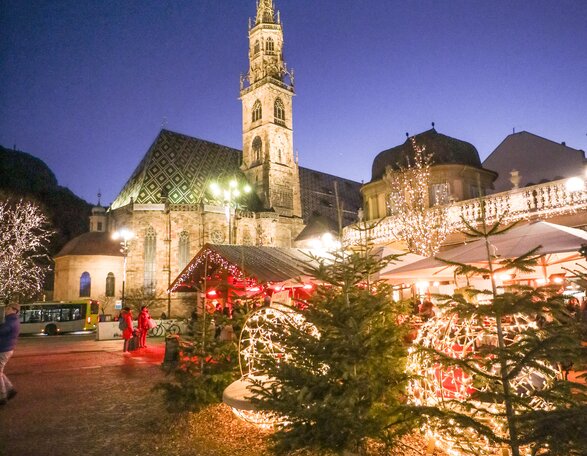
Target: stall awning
265 264
554 241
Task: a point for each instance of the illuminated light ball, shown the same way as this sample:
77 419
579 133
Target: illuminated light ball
258 341
449 387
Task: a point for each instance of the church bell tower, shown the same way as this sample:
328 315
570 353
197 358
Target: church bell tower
266 93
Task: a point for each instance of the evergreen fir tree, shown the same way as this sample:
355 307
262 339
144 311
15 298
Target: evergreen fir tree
521 338
208 363
344 381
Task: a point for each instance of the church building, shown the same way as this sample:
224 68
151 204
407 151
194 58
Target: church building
187 192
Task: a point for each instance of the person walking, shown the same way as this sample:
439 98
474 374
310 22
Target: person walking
143 325
9 331
127 332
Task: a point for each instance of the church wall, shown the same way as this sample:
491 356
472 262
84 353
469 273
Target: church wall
68 271
202 227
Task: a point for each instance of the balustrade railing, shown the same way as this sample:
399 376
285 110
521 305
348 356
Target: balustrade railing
540 201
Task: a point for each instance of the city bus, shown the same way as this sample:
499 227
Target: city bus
53 318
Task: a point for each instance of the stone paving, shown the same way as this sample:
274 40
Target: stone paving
78 396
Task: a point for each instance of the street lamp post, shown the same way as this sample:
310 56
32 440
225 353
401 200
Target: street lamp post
229 196
125 236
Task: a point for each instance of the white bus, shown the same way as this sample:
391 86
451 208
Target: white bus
52 318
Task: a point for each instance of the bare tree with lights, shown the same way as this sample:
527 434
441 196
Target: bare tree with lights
24 238
491 372
421 226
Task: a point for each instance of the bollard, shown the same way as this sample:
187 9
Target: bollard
171 357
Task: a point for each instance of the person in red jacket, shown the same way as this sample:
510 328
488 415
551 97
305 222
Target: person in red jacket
126 314
143 326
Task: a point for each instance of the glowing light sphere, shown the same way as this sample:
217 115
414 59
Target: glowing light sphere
259 340
449 387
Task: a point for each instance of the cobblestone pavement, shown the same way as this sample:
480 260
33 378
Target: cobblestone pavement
79 396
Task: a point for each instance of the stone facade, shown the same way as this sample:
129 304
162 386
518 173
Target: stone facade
168 204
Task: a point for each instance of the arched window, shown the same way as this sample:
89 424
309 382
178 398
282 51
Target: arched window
279 112
150 260
184 249
270 46
85 285
110 285
257 149
257 47
257 112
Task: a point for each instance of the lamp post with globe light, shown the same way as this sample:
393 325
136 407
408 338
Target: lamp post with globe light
229 196
125 237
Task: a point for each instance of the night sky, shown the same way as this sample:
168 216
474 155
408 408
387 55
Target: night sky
87 85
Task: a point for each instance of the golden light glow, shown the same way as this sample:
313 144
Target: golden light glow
259 340
449 387
421 227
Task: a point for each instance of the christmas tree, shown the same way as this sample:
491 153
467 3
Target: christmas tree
340 378
491 372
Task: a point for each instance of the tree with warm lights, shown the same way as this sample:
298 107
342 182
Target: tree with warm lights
490 373
420 225
24 237
343 381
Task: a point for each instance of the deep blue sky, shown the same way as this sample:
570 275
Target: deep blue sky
85 85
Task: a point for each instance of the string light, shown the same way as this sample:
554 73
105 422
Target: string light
448 387
214 260
259 340
421 227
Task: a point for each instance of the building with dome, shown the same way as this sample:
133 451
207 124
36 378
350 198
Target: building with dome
89 265
456 172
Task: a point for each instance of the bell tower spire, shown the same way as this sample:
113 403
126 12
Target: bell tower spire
265 12
267 92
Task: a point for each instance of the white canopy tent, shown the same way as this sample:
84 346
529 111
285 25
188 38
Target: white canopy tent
558 244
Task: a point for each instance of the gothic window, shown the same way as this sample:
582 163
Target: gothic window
257 149
257 47
150 260
257 112
279 112
110 288
270 46
184 249
85 285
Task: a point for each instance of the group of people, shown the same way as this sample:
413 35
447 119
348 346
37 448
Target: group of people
143 326
9 331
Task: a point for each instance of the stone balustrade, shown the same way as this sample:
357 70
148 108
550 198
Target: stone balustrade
536 202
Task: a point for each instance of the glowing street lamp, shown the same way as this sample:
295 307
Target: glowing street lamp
229 196
125 237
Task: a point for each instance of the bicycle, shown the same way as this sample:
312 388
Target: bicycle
164 328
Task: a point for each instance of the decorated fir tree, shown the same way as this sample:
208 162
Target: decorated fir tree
208 361
340 376
491 373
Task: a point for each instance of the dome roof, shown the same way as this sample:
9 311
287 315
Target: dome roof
445 150
93 243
